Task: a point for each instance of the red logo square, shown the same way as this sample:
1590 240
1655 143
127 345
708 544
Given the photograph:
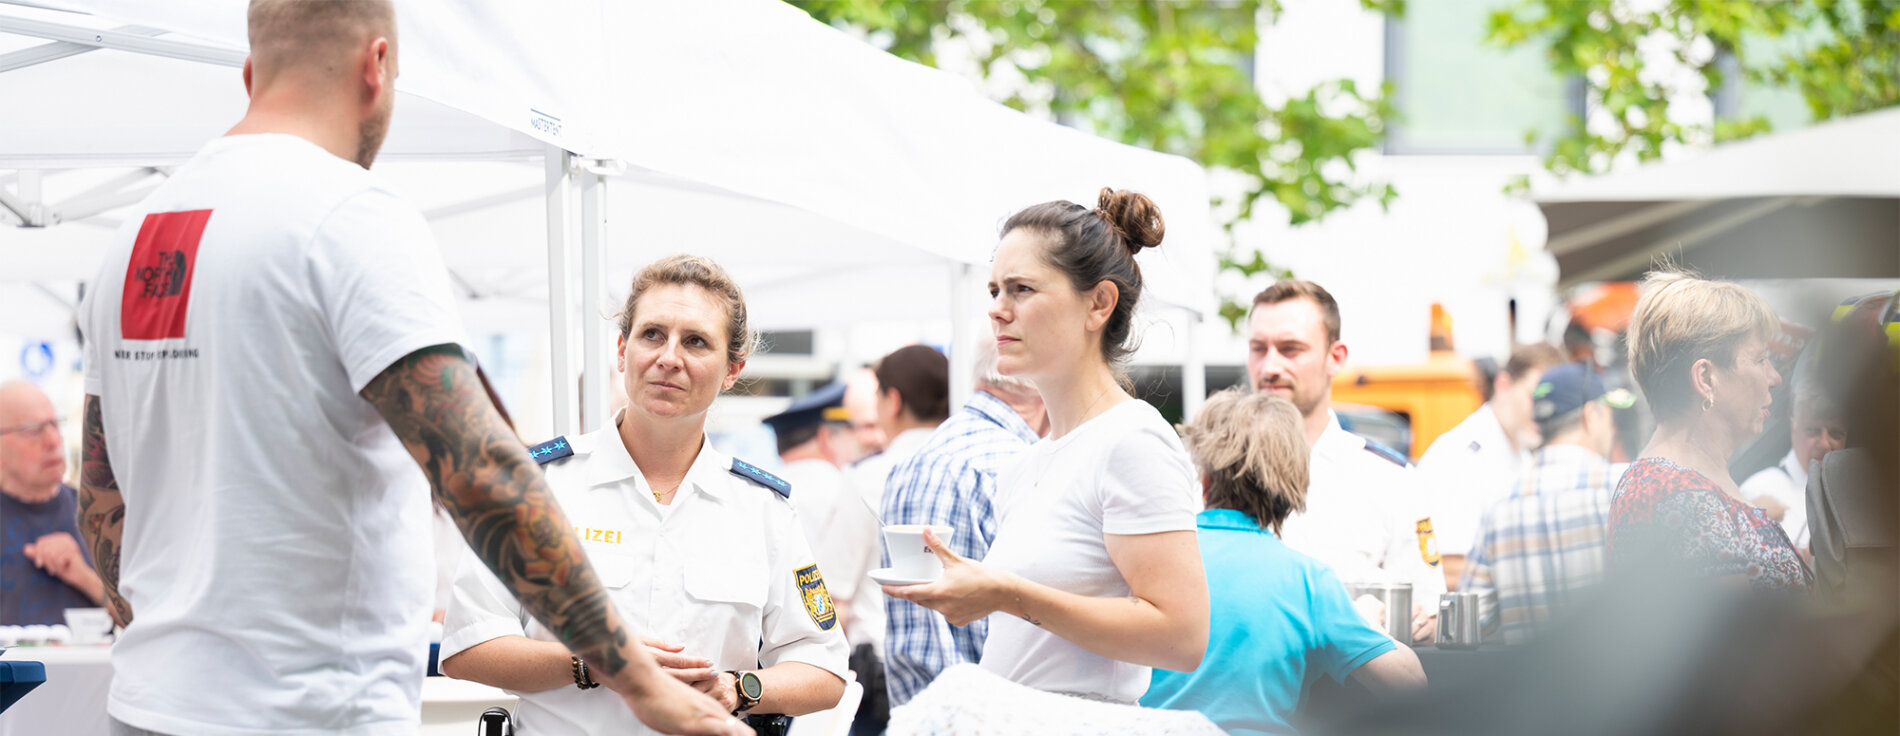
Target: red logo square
158 280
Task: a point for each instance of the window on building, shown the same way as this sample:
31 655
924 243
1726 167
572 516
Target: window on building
1741 98
1455 93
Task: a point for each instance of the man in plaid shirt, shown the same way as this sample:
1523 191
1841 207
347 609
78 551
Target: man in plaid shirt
951 480
1540 547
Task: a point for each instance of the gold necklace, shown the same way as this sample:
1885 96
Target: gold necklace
660 496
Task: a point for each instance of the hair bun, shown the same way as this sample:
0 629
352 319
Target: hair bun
1134 216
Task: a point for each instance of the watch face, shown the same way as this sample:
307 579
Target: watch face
750 685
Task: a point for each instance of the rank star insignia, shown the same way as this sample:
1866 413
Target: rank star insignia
811 588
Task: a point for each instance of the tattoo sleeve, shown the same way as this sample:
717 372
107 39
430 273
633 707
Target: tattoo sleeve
480 472
101 509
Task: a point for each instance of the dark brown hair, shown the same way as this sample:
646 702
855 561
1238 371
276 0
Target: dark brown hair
705 274
1290 289
921 377
1096 245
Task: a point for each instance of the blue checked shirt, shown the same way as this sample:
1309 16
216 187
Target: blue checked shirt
1542 545
951 480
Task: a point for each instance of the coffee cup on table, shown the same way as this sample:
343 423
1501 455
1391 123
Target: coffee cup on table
89 625
910 556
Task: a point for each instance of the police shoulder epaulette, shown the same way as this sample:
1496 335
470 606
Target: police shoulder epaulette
1388 454
758 475
551 450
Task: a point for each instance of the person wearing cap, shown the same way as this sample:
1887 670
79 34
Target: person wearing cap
1541 546
816 442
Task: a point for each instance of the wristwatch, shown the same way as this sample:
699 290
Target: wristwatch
748 687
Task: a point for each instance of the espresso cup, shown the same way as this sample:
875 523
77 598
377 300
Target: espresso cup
910 557
89 625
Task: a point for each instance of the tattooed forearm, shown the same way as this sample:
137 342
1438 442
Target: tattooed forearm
101 509
482 475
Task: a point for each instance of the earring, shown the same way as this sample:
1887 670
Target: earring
1708 404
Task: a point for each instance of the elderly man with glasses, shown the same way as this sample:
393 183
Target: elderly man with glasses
44 570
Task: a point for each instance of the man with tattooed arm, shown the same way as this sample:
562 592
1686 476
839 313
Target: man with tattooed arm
271 353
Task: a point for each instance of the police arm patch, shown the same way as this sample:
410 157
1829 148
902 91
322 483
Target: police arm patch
1427 542
811 589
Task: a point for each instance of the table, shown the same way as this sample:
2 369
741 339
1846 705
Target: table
73 700
1328 701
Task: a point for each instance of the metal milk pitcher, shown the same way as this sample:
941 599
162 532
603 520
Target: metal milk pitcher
1459 621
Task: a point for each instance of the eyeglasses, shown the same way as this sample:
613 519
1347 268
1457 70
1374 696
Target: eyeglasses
35 429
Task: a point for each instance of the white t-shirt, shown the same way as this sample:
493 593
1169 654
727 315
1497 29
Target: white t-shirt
277 542
1123 472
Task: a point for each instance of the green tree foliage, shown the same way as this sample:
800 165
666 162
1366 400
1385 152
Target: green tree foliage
1843 56
1165 75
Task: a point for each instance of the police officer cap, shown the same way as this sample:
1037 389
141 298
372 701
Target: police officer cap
823 405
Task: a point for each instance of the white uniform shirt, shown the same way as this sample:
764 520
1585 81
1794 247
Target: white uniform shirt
1124 473
276 548
1365 517
1467 470
1786 482
717 571
844 536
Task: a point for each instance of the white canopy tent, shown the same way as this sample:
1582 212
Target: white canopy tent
1817 202
806 162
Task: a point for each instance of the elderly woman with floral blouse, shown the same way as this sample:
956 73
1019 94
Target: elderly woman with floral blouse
1699 350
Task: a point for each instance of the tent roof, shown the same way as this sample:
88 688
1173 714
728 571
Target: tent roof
783 111
1816 202
1849 157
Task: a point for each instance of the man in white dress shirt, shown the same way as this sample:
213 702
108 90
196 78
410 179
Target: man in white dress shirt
1782 489
1365 513
1475 464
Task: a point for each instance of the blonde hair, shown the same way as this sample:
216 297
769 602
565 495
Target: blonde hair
702 272
1252 450
1682 318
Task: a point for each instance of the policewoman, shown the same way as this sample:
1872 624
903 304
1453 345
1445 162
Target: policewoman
700 551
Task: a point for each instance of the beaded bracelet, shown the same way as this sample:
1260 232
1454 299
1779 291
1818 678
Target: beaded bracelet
582 679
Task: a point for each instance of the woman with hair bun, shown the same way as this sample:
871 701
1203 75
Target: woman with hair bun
1095 563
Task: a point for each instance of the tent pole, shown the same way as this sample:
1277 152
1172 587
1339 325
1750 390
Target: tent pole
596 370
560 310
963 335
1193 370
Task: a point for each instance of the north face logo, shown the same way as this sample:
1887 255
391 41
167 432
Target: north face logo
158 279
167 277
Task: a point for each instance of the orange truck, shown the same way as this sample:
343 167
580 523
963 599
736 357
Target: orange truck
1432 397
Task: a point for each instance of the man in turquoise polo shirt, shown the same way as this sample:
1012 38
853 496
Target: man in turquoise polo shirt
1279 619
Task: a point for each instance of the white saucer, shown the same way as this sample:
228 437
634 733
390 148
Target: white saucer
885 576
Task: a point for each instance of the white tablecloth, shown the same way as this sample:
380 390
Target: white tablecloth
967 700
73 700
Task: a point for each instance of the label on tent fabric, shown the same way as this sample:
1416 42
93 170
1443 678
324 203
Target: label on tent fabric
158 279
